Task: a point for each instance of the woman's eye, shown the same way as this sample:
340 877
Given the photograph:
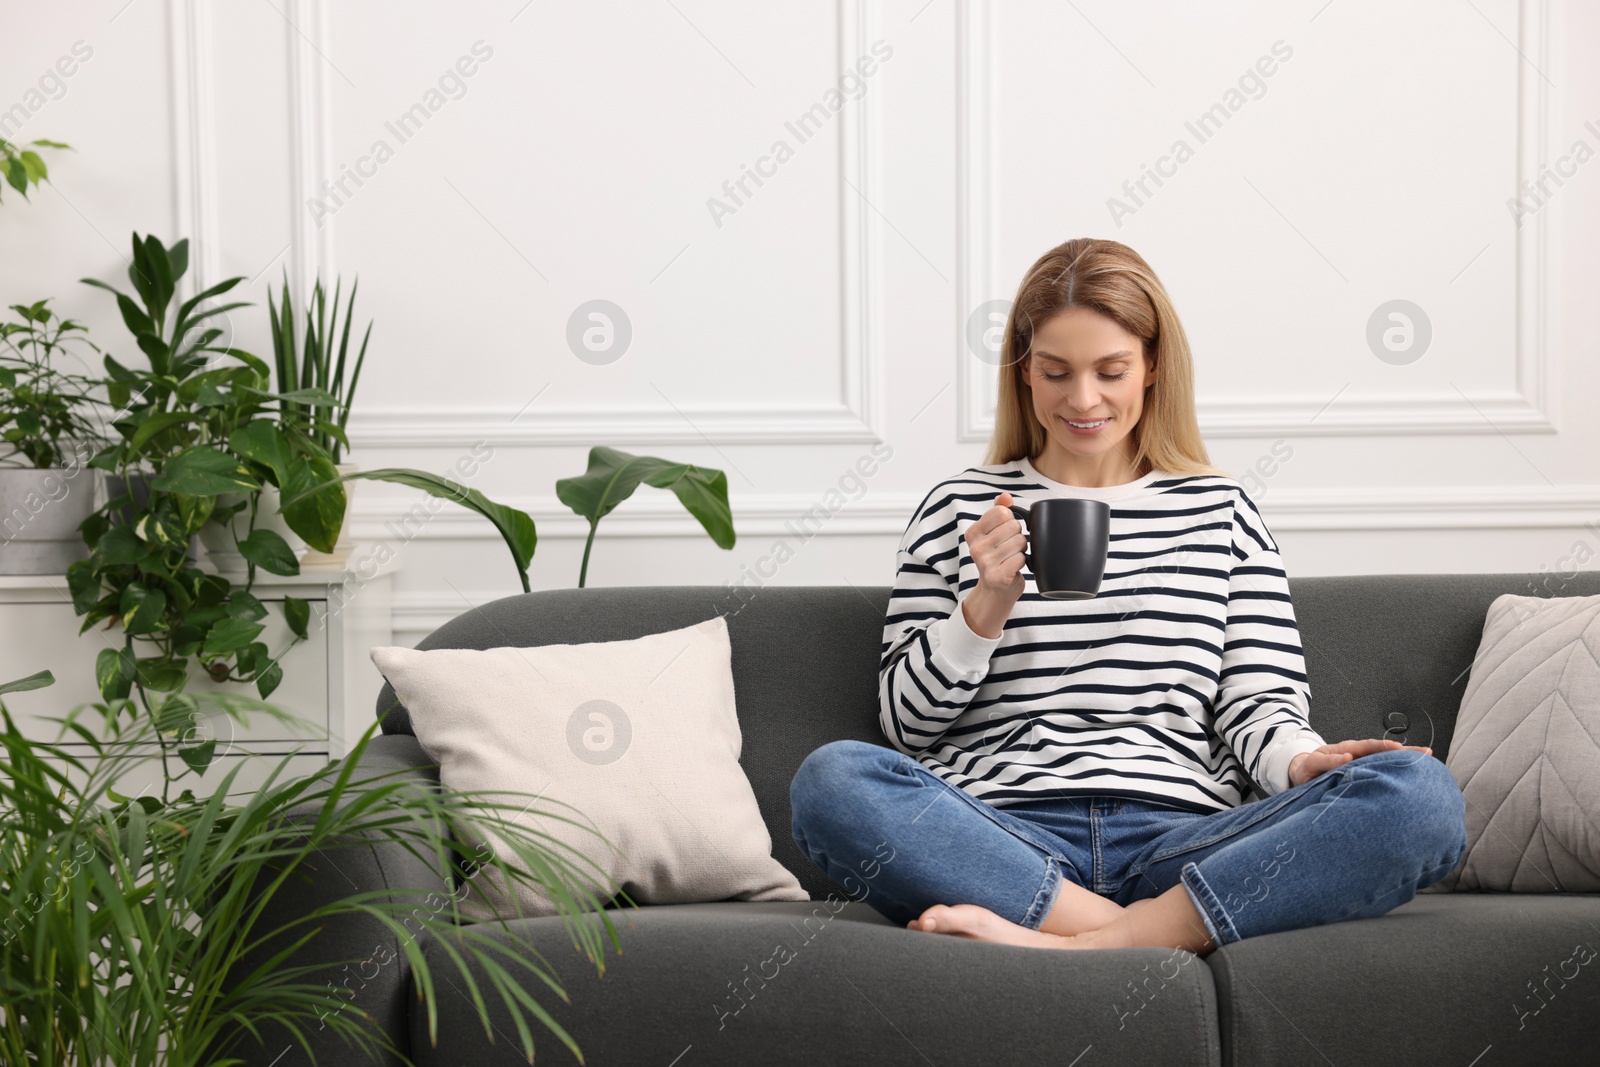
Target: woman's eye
1106 377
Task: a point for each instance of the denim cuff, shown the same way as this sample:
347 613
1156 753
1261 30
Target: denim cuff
1218 923
1045 899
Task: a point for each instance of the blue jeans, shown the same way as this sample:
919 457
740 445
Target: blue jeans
1352 843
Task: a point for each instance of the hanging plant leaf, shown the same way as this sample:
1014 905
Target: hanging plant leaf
242 605
270 552
141 609
114 672
269 679
262 442
230 635
204 470
297 613
161 674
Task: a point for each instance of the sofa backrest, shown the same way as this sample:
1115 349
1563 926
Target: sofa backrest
805 659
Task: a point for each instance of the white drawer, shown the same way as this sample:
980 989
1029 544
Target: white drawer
44 636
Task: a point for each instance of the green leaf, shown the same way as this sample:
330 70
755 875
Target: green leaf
613 475
164 527
269 679
313 503
230 635
515 527
199 757
141 608
120 545
243 605
204 471
17 176
175 715
193 511
264 443
113 672
161 674
157 424
297 613
84 584
32 681
270 552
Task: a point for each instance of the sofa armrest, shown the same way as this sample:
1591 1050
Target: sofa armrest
379 978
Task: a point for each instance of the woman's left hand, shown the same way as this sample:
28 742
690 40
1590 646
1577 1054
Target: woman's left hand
1307 765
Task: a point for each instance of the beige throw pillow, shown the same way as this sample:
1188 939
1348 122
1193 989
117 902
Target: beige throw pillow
1526 750
639 736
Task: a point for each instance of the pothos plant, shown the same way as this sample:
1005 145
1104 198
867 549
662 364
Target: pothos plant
194 426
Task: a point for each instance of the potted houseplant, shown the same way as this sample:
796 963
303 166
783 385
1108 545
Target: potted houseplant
193 442
48 431
134 931
310 360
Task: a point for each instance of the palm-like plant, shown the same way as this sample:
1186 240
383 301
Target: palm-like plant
133 933
317 359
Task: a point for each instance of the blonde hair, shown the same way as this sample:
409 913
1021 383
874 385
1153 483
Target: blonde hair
1112 279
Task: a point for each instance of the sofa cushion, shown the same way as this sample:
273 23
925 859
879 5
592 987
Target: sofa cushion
1527 749
1442 979
634 741
831 982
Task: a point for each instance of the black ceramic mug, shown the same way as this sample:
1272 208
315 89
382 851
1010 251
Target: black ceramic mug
1068 538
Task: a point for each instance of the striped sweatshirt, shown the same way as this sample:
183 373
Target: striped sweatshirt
1181 682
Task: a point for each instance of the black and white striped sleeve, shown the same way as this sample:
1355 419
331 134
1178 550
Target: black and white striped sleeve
931 662
1263 702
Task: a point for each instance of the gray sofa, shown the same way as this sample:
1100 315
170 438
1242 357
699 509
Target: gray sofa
1448 978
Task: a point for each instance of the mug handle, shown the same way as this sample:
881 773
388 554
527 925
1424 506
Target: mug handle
1027 533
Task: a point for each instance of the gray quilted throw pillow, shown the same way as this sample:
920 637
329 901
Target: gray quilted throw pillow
1526 750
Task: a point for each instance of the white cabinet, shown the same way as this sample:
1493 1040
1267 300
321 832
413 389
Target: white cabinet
329 681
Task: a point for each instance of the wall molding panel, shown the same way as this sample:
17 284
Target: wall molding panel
1529 409
857 417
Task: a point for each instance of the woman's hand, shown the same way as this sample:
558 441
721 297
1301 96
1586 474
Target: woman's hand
1307 765
996 544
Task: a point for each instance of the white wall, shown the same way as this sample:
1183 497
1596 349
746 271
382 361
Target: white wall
828 311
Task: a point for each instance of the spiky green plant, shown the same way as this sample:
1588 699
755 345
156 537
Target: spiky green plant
133 931
317 359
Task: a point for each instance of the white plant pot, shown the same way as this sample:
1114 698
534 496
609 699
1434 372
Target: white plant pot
39 515
323 562
220 544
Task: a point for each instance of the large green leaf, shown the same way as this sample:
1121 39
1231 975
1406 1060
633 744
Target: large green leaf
313 502
515 526
614 475
162 674
113 672
270 552
204 470
32 681
84 584
117 545
230 635
263 442
141 608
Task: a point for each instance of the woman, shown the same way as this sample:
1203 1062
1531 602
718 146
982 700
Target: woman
1074 774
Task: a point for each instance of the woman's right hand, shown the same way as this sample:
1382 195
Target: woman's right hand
996 543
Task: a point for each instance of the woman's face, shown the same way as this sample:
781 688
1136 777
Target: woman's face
1088 377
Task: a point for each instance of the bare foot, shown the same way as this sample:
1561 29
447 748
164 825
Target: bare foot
978 923
1168 921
